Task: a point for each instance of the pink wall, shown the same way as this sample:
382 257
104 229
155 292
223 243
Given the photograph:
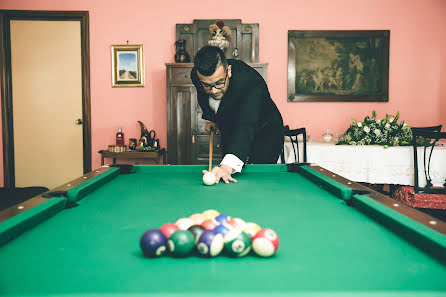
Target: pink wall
417 56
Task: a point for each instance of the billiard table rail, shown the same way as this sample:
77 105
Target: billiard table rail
358 189
45 205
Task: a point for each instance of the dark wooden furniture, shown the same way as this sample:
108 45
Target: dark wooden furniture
156 155
244 37
187 141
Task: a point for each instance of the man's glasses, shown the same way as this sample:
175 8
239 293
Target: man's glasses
218 85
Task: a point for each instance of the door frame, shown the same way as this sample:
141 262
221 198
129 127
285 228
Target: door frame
6 82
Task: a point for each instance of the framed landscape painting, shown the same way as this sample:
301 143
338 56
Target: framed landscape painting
330 66
127 65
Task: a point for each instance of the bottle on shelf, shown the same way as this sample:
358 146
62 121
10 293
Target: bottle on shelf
120 137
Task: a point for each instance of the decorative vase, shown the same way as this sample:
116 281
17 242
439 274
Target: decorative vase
181 56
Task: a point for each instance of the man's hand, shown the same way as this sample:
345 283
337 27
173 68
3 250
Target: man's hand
222 172
209 125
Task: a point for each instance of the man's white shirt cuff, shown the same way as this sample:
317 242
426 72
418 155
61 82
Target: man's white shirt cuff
233 161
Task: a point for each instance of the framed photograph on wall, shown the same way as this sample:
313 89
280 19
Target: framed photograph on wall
127 65
338 66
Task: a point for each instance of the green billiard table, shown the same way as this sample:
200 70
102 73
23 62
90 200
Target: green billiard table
337 238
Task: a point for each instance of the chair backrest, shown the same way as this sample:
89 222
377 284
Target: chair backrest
294 139
428 138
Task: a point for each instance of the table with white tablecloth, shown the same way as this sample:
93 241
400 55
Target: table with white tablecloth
373 163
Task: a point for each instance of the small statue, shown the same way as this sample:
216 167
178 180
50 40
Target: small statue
235 54
181 56
219 31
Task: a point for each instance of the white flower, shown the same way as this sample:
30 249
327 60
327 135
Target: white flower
387 126
366 129
404 125
359 124
377 132
391 120
378 121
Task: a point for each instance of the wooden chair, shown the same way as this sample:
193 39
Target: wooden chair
293 136
427 196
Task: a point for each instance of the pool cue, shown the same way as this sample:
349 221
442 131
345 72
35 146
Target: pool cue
211 146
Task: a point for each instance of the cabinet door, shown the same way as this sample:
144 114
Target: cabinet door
179 110
200 138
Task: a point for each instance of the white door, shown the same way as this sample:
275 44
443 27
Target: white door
47 101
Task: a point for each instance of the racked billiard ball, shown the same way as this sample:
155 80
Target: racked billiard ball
222 229
237 223
197 218
196 231
153 243
251 229
210 243
210 214
237 243
265 243
209 224
222 218
184 223
181 243
168 229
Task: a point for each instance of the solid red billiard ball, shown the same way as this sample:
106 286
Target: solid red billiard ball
168 229
209 224
265 243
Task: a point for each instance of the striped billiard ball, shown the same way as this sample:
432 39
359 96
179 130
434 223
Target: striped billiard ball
237 243
210 243
196 230
265 243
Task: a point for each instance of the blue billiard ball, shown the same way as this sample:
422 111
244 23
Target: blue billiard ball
210 243
222 218
222 229
153 243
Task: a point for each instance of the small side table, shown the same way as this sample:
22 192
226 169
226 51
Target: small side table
155 155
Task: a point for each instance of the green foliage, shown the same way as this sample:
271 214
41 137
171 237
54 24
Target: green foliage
387 132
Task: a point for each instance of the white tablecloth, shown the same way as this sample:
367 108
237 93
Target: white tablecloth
372 163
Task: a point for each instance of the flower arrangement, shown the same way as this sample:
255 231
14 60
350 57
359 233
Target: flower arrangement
386 132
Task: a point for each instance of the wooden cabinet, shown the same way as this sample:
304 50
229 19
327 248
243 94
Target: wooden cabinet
187 141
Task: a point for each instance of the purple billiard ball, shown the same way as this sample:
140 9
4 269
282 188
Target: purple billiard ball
210 243
222 229
153 243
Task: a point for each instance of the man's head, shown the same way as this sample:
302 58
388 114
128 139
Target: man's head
213 71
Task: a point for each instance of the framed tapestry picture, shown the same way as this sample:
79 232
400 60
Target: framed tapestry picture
330 66
127 65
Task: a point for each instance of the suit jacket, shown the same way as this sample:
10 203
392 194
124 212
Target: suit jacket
251 125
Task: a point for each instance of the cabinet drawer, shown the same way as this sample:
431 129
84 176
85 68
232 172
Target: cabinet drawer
180 76
202 146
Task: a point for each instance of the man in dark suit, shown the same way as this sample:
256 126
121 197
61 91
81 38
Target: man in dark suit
235 97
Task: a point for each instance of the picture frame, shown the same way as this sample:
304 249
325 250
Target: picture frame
127 65
338 66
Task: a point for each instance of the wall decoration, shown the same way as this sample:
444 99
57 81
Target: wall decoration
338 66
127 65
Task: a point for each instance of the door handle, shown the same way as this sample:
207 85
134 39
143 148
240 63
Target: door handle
79 122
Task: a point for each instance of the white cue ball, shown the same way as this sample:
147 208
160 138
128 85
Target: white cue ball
209 178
